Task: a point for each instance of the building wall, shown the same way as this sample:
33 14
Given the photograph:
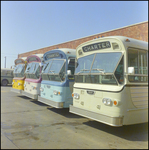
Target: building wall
137 31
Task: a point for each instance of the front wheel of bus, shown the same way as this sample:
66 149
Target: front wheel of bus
4 82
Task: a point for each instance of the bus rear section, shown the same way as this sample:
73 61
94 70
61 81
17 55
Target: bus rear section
33 78
19 77
57 78
111 81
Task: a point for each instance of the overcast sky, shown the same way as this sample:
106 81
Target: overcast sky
31 25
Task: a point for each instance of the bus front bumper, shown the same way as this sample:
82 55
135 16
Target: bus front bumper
16 91
50 102
112 121
33 96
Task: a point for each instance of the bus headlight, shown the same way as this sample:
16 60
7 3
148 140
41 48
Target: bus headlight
107 101
76 95
56 92
41 89
34 88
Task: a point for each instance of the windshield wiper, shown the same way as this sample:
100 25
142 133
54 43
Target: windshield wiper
83 70
52 71
100 70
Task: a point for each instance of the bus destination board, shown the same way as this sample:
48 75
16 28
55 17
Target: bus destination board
96 46
52 55
19 61
32 59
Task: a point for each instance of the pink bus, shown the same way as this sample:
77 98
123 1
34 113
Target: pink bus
33 78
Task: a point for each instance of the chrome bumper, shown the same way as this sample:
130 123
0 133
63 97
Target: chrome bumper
50 102
33 96
112 121
16 91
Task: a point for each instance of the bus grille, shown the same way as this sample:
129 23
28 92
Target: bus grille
139 96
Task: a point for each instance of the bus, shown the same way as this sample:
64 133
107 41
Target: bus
6 76
33 77
18 73
111 81
58 77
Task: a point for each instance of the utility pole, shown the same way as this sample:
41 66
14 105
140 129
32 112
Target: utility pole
5 62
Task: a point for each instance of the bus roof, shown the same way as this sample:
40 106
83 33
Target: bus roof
66 50
131 42
24 58
39 57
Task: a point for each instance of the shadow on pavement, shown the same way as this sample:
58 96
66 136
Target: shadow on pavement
64 112
138 132
24 97
38 103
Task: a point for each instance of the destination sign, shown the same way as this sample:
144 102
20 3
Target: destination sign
19 61
96 46
52 55
32 59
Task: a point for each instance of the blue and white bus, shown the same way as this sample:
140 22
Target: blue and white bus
58 77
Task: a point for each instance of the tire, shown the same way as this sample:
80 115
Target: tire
4 82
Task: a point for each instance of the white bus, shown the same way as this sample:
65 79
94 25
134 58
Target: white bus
111 81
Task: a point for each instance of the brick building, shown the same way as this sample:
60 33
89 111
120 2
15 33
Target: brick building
137 31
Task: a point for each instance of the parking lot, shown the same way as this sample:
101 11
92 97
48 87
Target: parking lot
29 124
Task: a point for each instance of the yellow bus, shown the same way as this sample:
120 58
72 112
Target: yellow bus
111 81
19 77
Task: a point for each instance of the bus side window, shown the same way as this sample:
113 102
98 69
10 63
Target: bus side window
119 73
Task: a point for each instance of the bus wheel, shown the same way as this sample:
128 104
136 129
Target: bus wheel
4 82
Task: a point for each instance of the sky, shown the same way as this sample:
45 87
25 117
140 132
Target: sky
31 25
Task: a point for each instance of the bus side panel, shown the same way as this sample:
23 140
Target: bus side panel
16 86
136 116
137 111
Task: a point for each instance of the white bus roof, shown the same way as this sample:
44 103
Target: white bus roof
133 42
24 58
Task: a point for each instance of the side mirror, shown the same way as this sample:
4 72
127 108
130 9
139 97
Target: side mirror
40 64
68 72
131 70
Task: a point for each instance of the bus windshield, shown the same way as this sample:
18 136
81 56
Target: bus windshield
54 70
99 68
33 70
19 70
